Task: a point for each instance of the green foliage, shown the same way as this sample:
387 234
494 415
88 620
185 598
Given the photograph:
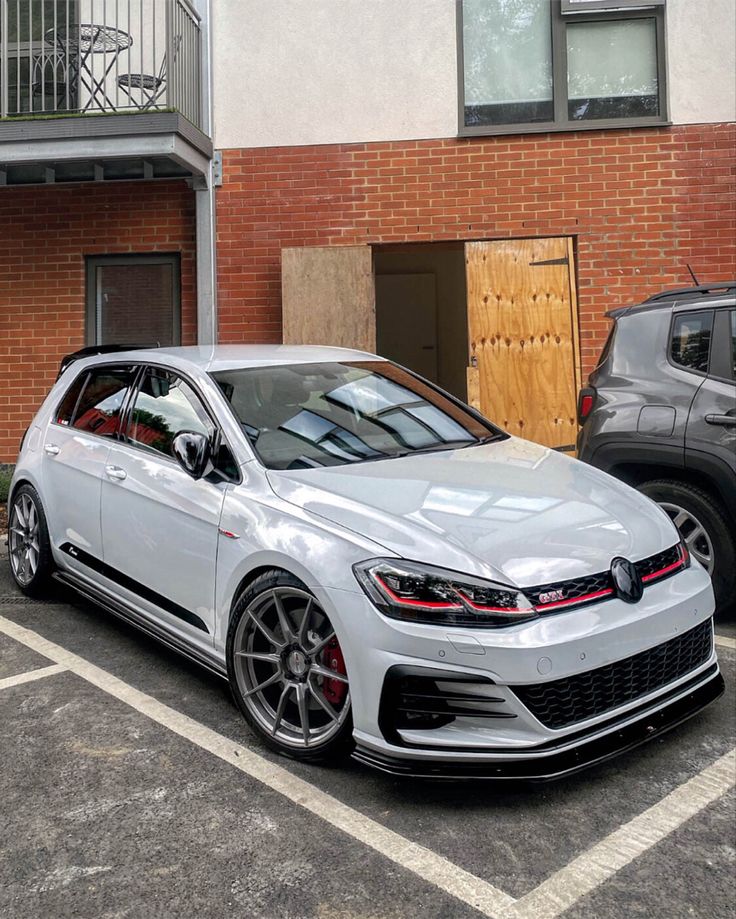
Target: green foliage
5 476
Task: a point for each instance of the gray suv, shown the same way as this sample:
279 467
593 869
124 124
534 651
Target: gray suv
659 412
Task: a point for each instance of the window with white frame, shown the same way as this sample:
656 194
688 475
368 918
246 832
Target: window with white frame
560 64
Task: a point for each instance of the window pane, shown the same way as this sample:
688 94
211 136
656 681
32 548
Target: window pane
307 415
68 403
612 69
733 343
507 53
165 406
135 303
101 401
691 340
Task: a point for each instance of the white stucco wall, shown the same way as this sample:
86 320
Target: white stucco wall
292 72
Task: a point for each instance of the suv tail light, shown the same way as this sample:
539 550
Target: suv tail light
586 403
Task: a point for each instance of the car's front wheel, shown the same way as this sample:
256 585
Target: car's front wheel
287 671
29 548
705 531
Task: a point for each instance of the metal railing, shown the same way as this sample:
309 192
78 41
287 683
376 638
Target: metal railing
93 56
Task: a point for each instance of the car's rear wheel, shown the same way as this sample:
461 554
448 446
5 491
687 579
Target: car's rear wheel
705 531
287 671
29 549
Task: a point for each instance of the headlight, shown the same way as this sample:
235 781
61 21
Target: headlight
422 593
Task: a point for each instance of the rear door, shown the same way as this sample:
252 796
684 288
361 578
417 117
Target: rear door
76 446
159 525
711 428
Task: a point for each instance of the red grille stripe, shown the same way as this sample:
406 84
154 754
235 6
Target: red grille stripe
584 599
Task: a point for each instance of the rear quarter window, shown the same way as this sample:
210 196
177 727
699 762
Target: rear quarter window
691 338
65 410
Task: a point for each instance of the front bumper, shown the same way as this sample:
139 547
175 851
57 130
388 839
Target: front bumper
566 758
503 737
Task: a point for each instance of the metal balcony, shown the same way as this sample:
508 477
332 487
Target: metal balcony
139 62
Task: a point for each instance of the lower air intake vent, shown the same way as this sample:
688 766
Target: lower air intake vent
560 703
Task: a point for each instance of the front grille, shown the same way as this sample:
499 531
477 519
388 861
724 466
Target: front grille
560 703
596 587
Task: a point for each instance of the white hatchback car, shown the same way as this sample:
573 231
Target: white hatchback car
373 566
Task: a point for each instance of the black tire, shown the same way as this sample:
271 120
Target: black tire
337 741
704 509
34 582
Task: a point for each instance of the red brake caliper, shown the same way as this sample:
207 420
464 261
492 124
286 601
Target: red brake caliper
334 691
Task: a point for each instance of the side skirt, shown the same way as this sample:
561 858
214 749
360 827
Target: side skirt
121 609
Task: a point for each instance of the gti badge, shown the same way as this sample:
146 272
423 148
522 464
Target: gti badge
626 580
552 596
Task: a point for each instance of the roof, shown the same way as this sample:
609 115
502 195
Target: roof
209 358
720 293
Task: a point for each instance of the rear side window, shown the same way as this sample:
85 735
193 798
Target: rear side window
691 336
101 401
164 406
65 411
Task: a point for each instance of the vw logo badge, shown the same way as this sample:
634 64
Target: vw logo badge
626 580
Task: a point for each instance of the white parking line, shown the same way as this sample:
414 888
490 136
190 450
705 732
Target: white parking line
547 901
31 675
429 866
723 642
611 854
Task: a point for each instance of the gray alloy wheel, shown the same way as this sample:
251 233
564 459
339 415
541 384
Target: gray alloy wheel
24 538
693 532
289 669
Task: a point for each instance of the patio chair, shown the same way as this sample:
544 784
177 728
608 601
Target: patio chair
150 86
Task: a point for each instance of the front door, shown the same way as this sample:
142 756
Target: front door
159 525
524 371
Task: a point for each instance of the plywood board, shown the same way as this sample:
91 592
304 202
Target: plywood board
328 297
522 326
406 321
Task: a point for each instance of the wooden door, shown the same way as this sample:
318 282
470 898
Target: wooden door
328 297
406 321
524 368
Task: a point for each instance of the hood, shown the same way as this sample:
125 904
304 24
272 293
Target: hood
509 510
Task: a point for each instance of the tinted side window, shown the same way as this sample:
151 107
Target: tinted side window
101 401
733 344
691 335
65 411
164 406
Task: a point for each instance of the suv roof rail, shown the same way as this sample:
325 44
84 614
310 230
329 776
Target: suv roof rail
700 290
92 350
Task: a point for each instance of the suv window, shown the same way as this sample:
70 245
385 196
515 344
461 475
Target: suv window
164 406
691 335
101 400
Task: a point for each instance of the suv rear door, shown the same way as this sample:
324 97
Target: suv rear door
710 439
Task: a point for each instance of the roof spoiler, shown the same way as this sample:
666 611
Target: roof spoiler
93 350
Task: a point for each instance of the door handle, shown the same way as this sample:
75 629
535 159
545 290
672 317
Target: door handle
51 449
115 472
725 420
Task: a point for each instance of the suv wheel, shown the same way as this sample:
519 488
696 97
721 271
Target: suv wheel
287 671
704 529
29 549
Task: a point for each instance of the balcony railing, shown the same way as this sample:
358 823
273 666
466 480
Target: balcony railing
100 56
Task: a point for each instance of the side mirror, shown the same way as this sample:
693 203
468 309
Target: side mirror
192 450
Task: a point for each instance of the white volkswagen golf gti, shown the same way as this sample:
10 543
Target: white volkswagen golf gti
373 566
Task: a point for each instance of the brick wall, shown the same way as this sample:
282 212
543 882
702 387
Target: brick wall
45 234
641 203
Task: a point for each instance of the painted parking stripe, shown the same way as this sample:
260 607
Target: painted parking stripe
439 871
547 901
31 675
723 642
610 855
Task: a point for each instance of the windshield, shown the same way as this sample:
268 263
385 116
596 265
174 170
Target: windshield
328 414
